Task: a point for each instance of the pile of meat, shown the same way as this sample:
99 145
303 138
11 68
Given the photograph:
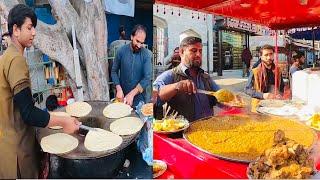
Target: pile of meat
285 160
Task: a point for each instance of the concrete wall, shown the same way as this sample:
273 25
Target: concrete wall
141 16
185 23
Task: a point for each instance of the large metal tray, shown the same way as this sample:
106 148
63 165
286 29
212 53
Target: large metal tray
94 119
254 116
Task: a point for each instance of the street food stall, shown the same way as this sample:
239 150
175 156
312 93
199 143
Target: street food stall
222 146
201 150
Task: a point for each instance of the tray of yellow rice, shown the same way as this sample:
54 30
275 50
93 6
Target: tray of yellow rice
243 138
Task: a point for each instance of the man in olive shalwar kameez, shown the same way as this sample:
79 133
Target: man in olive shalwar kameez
18 115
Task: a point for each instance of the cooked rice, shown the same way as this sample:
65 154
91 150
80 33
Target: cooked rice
245 137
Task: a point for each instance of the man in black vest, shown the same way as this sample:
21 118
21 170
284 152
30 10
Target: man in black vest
178 86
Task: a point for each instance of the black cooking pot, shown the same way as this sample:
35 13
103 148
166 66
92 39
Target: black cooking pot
103 167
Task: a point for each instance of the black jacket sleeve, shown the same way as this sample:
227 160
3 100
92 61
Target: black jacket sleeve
212 101
30 114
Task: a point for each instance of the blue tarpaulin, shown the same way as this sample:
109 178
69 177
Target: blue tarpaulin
307 35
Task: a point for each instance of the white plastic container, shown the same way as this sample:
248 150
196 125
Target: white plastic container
306 87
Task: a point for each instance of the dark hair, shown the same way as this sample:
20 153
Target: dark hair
298 55
5 34
52 102
18 14
267 46
121 28
189 41
138 27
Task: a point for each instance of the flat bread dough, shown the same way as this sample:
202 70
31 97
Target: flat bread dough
78 109
101 140
56 127
59 143
126 126
117 110
58 113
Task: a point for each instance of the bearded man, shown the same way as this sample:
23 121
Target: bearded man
261 81
298 63
178 86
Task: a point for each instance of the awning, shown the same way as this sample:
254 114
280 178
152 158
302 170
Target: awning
276 14
307 34
305 45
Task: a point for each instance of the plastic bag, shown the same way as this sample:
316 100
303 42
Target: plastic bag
145 139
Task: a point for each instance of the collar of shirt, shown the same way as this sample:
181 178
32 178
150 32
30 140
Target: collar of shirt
185 70
131 49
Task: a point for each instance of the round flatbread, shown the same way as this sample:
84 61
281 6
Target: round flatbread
101 140
117 110
147 109
58 113
78 109
59 143
126 126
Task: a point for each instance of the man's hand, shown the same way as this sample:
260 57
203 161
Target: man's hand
130 96
272 96
278 96
71 125
119 95
129 99
186 86
267 96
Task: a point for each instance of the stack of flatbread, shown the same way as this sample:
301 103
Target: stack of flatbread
117 110
78 109
59 143
126 126
62 114
276 103
101 140
286 110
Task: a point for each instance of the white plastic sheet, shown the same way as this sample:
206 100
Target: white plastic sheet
120 7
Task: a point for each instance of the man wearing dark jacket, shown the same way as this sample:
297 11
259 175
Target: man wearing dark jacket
178 86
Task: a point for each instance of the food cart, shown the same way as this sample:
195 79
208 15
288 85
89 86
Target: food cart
187 161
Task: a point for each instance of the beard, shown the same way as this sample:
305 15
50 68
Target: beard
135 48
195 64
301 63
267 63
